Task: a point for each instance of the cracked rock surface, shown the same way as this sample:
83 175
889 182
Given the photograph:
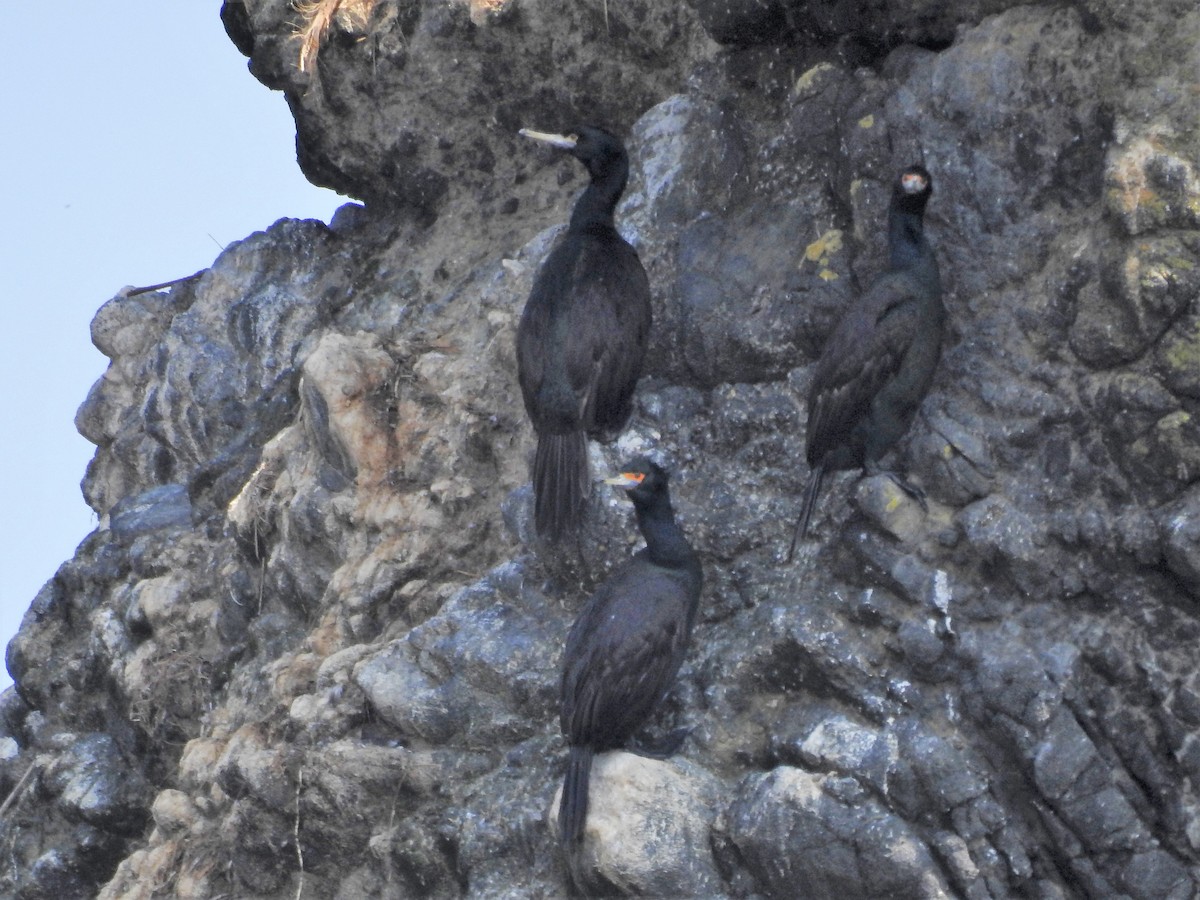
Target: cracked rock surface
312 648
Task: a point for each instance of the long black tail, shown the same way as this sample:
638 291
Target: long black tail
572 809
560 483
806 509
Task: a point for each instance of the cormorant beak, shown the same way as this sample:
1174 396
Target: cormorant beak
562 141
626 479
912 182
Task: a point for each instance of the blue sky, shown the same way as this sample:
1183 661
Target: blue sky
136 145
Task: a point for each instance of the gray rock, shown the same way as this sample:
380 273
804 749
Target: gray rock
314 607
741 302
687 146
1180 526
1136 298
130 325
827 837
226 361
647 827
482 670
94 783
422 166
166 507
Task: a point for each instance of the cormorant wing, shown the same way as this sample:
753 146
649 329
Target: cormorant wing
536 333
585 326
622 654
606 349
862 355
618 359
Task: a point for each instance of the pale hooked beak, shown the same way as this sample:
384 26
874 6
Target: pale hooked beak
626 479
562 141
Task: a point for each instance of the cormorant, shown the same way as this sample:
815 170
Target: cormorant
582 336
879 360
625 648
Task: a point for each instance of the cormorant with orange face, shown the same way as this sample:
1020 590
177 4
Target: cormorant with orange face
879 361
625 649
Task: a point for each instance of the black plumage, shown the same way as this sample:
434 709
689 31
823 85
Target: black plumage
879 361
624 650
582 336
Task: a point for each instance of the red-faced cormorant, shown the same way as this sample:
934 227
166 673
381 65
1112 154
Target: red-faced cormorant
625 648
880 358
582 336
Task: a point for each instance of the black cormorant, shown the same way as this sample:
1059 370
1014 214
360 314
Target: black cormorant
582 336
625 648
879 360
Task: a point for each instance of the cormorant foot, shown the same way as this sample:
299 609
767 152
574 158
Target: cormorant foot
662 747
901 482
909 488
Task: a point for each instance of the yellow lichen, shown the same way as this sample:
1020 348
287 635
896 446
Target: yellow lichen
821 250
807 84
866 122
1141 204
824 247
1183 355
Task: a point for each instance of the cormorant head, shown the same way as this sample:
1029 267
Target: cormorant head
912 190
601 152
642 478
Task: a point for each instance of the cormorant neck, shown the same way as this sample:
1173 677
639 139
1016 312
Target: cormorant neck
598 202
665 540
906 238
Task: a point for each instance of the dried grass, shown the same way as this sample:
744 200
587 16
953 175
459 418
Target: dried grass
317 18
481 9
175 691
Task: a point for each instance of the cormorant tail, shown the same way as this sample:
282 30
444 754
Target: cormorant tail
572 809
806 509
560 482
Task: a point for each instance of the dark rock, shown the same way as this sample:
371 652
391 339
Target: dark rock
920 22
236 20
95 784
742 303
160 508
315 623
1179 523
1133 302
826 833
1157 874
56 874
420 167
742 22
1146 429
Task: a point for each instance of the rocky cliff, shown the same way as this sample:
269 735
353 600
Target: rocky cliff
311 649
